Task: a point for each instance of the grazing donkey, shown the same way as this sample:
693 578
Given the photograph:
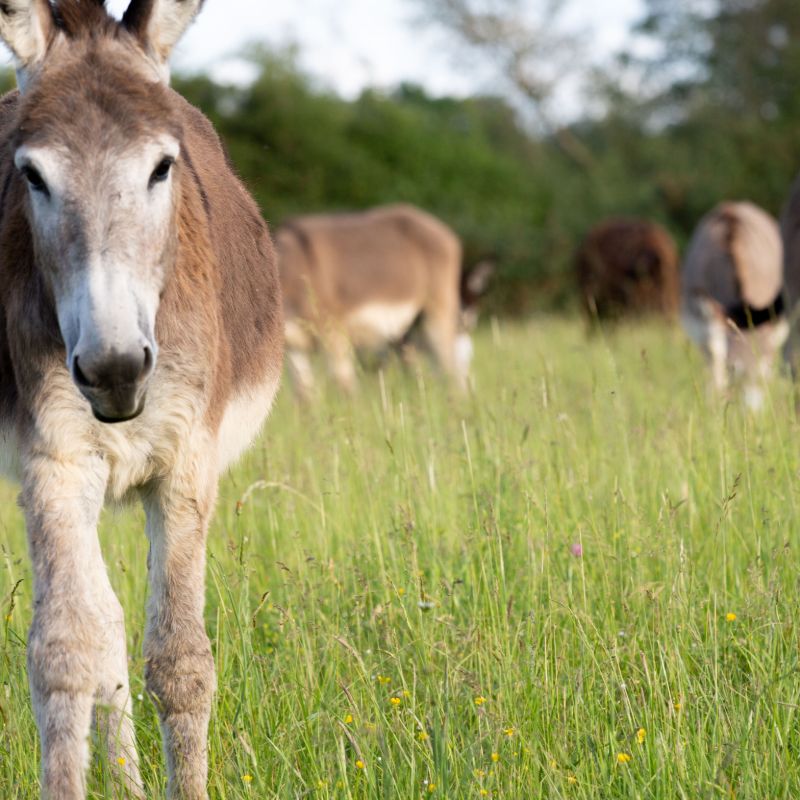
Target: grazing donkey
731 287
140 350
627 268
360 280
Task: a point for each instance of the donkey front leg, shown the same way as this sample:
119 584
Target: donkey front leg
179 666
76 648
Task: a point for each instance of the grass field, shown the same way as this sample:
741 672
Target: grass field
528 593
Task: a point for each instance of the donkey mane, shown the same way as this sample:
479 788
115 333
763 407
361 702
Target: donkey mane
77 18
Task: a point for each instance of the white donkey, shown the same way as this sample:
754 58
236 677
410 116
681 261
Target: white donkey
140 350
731 301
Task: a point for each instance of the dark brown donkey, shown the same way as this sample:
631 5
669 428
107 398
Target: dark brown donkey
140 350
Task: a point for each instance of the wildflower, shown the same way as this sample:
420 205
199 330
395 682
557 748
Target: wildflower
623 758
479 773
480 700
401 591
484 792
553 764
572 779
431 787
677 706
395 701
640 735
730 616
359 764
384 679
321 784
348 719
406 693
495 757
509 732
422 736
121 761
577 550
247 778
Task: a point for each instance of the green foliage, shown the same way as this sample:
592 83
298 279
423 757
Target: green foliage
715 117
301 149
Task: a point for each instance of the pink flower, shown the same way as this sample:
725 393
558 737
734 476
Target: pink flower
577 550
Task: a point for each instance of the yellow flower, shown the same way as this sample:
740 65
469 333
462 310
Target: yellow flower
677 706
553 764
480 700
348 719
401 591
640 735
395 701
384 679
623 758
495 757
247 778
422 736
479 773
406 693
431 787
321 784
572 779
730 616
121 761
509 732
484 792
359 764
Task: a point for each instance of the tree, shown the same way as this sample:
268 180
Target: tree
531 48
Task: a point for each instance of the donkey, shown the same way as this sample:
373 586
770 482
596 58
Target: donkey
140 350
627 268
361 280
732 305
790 232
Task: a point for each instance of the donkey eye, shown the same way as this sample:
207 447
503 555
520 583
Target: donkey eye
35 180
161 172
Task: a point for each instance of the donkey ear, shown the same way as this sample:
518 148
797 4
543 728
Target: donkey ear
26 27
159 24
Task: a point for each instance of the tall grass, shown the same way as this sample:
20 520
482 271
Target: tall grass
525 593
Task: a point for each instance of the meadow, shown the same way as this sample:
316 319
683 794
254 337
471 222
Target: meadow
580 581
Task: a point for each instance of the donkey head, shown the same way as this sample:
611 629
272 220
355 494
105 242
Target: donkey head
98 145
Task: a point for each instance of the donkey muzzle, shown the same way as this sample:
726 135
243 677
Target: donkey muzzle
115 384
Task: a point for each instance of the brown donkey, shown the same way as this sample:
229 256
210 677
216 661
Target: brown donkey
360 280
140 350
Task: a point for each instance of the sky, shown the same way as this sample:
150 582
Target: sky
350 44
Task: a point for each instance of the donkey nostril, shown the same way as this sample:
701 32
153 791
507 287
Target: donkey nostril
147 367
80 376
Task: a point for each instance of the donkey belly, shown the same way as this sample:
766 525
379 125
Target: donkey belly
243 418
374 325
